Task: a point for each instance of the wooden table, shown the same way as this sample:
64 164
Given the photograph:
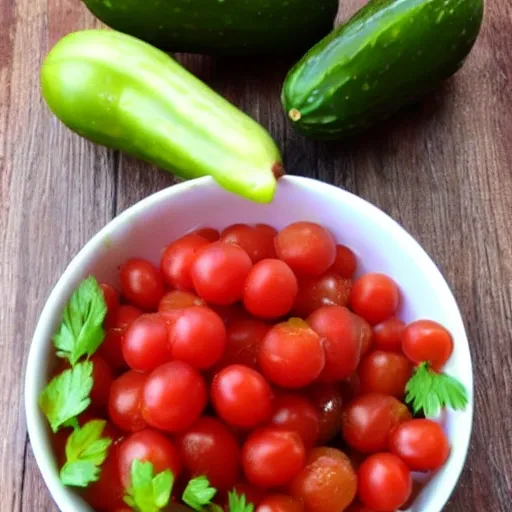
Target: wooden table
442 168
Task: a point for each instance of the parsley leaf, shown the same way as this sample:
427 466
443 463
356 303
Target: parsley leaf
198 493
86 450
81 330
148 493
238 503
67 395
429 391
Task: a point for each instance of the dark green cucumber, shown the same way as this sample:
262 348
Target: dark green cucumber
235 27
386 56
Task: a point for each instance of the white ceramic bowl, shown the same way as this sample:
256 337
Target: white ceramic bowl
379 242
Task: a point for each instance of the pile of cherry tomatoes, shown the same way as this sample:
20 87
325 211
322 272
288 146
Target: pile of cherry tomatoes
255 358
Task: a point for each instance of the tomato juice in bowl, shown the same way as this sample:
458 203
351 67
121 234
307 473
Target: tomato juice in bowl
380 244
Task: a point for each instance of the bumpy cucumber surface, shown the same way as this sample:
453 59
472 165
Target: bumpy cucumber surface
387 55
123 93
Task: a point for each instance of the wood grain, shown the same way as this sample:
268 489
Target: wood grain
442 168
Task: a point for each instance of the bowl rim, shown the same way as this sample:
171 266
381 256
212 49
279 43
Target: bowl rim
42 336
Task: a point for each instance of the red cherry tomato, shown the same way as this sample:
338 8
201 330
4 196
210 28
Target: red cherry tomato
421 444
146 343
328 401
177 260
244 338
308 248
327 483
257 243
291 354
219 273
111 347
179 299
345 263
280 503
241 396
368 421
107 493
148 446
366 335
271 457
124 401
212 235
269 230
330 289
426 340
198 337
385 372
388 335
270 289
297 413
173 397
231 313
209 448
141 283
102 381
385 483
375 297
340 331
111 297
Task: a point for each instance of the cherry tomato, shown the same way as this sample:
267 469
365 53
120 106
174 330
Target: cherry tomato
212 235
231 313
111 298
375 297
209 448
345 263
280 503
107 492
267 229
244 338
308 248
219 273
179 299
198 337
241 396
328 402
124 401
141 283
327 483
256 242
366 335
111 348
385 483
385 372
368 421
330 289
341 335
421 444
297 413
270 289
388 335
177 259
102 381
291 354
173 397
148 446
145 344
271 457
426 340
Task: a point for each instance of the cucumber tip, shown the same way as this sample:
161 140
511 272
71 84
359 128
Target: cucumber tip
294 114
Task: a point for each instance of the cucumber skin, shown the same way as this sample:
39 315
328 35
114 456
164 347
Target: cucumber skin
230 27
121 92
354 77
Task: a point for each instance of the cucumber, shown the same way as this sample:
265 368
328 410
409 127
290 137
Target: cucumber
236 27
387 55
121 92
